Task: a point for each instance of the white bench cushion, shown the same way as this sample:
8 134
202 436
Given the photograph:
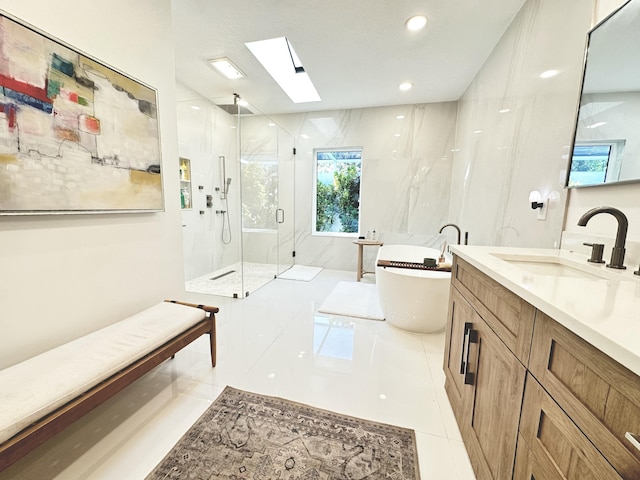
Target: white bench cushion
34 388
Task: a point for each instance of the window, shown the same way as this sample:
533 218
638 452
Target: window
337 191
594 163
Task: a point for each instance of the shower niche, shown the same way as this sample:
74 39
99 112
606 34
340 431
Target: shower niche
239 234
185 183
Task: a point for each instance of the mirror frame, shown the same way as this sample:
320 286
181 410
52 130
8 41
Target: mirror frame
577 115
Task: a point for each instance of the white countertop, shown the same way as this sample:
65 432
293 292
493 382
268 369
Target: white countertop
602 307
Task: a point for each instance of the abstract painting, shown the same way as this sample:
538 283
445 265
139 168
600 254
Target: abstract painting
76 136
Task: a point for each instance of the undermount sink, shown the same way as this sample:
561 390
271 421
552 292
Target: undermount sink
551 266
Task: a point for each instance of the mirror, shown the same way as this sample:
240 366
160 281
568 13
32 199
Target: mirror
606 146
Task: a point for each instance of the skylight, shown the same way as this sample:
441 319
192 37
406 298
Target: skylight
281 62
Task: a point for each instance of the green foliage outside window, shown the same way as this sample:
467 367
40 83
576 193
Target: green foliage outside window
325 206
338 191
347 186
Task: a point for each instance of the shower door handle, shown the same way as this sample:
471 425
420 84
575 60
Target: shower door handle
280 215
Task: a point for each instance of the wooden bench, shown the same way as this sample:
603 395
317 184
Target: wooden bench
190 319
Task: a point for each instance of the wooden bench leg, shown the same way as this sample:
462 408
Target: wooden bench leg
212 339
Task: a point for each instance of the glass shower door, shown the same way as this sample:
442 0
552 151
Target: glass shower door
286 195
259 179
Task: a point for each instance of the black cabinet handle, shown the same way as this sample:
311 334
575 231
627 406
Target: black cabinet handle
463 366
469 377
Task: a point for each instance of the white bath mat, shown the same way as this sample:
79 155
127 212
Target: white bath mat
353 299
301 273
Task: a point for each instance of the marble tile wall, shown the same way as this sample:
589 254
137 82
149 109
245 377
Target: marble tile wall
204 134
514 127
406 176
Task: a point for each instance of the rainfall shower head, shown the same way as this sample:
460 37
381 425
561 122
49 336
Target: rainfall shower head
237 107
234 109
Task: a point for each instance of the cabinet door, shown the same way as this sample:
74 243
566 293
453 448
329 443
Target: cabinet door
460 316
601 396
510 317
485 383
494 404
551 447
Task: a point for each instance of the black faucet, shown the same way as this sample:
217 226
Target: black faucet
617 254
454 226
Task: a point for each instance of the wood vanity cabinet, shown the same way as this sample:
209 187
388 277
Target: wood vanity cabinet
551 446
484 378
600 396
533 400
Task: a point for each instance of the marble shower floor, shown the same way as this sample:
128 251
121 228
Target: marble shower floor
237 279
273 342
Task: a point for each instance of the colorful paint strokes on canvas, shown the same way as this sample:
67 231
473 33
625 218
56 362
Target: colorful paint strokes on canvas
75 135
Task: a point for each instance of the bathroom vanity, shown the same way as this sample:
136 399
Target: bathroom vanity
542 364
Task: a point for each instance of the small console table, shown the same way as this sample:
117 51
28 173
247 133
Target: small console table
361 244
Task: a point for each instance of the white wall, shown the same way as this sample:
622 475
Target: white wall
504 156
63 276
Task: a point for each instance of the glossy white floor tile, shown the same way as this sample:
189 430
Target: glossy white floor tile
273 342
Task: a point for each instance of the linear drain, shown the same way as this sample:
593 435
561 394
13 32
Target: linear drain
223 275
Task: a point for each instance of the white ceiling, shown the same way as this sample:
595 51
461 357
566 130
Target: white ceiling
356 52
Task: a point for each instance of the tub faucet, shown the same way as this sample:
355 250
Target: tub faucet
454 226
617 254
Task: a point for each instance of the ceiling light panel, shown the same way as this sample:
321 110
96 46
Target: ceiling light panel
226 68
281 62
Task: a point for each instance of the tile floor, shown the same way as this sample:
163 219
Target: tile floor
276 343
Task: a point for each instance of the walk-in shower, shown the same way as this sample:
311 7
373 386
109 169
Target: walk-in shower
239 234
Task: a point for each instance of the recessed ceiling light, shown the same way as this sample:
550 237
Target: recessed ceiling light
396 134
597 124
477 131
405 86
281 62
195 107
416 22
400 117
226 68
504 110
549 73
304 135
271 124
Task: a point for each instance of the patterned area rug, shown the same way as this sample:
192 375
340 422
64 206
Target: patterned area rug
244 435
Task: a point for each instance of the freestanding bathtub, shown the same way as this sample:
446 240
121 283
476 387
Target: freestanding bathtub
413 300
